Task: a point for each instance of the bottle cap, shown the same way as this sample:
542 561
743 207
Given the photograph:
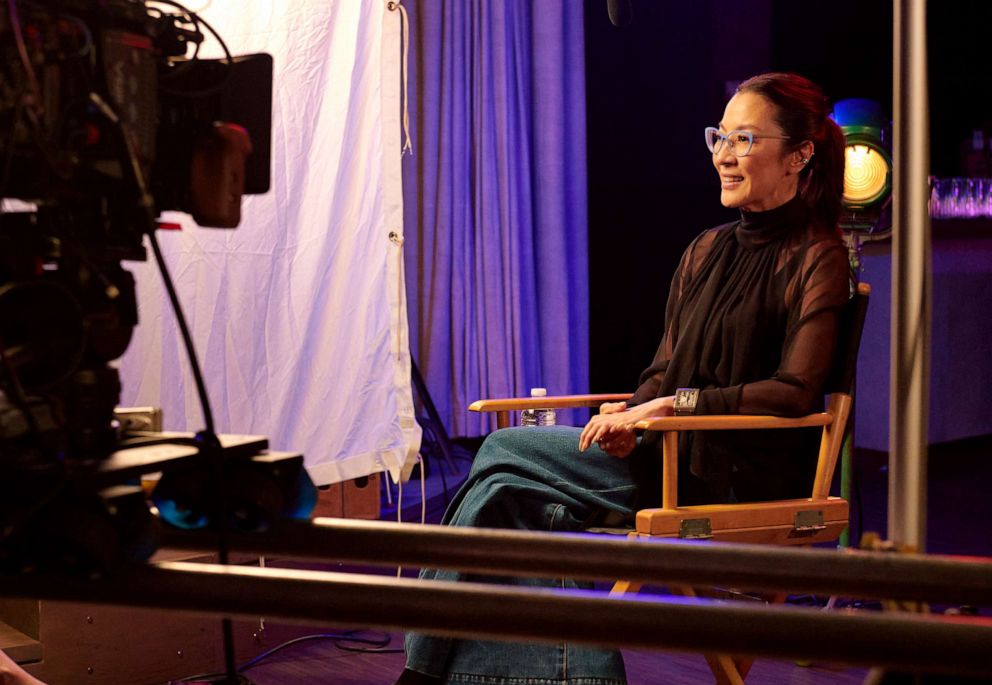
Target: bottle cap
538 392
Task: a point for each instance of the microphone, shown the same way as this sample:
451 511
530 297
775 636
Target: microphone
621 12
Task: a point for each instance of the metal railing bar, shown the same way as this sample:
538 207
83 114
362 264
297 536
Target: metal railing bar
904 641
596 557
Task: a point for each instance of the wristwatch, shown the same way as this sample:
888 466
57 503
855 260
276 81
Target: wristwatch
685 401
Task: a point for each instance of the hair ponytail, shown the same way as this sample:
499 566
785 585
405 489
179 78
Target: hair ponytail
803 113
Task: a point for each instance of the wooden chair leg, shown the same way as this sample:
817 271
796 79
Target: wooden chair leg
726 669
744 664
622 587
776 597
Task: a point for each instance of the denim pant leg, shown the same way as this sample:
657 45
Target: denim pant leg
528 479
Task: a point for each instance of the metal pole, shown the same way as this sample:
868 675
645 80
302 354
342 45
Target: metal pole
904 641
908 401
847 448
846 469
533 554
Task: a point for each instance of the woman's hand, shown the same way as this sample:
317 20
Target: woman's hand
618 445
613 428
612 407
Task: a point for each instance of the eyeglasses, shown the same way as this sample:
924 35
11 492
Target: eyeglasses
740 142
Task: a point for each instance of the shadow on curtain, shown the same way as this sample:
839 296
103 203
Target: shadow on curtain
495 202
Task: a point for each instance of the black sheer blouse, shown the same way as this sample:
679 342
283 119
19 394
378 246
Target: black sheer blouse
752 321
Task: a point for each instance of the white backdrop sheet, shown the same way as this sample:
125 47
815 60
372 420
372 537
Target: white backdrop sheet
299 315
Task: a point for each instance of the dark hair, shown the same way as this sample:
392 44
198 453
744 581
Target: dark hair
803 113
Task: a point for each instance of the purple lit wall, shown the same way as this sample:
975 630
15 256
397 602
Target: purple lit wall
961 342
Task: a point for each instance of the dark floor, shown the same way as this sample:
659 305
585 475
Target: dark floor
323 664
959 507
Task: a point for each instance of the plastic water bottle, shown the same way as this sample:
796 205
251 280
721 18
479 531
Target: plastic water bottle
538 417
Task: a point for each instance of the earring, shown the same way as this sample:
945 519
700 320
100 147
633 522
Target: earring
804 161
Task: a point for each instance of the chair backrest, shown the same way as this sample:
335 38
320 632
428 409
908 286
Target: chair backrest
852 325
840 388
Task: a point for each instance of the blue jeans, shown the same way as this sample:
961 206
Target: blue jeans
529 479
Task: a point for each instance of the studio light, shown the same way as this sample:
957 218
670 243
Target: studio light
866 176
868 165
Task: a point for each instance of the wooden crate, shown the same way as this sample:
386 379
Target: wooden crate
18 645
104 645
353 499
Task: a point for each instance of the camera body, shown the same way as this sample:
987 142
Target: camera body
171 111
107 118
104 122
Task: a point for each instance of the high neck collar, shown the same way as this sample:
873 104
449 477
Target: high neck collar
758 229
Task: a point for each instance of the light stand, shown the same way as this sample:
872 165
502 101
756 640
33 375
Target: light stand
866 216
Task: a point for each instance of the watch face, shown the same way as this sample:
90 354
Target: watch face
685 399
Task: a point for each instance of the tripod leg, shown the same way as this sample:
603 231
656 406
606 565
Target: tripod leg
444 442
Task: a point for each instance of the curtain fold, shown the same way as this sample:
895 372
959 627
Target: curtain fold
299 314
495 202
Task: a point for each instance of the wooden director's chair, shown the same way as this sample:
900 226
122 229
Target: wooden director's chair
819 518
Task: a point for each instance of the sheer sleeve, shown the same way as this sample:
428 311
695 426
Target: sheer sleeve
815 299
652 377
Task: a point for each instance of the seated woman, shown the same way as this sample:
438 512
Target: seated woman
751 323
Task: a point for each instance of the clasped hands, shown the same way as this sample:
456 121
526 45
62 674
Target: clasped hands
613 428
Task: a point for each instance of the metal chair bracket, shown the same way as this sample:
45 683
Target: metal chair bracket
809 521
695 529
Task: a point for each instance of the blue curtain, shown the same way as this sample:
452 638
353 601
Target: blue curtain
495 202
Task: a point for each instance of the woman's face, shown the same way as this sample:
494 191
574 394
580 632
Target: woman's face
766 177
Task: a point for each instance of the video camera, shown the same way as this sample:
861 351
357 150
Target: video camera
108 117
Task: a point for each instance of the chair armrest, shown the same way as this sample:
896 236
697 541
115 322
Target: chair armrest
559 402
505 406
731 422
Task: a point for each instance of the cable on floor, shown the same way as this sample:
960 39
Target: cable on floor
340 641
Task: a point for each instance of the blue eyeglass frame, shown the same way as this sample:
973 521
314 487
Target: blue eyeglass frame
725 138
